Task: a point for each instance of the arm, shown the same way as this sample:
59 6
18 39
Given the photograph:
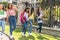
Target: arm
15 8
29 14
40 15
5 14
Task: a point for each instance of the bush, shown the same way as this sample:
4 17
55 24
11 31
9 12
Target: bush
5 4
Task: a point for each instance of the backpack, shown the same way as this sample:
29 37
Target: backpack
22 17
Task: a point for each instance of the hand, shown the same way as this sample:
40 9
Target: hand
23 20
28 20
36 15
15 8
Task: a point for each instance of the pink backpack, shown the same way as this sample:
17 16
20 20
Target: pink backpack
22 17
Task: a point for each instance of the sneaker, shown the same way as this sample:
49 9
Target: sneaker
10 37
30 33
23 34
37 30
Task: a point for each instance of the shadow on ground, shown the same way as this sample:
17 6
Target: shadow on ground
18 29
27 38
58 38
40 37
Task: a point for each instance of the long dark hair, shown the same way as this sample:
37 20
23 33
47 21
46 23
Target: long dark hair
4 7
38 12
26 10
32 10
10 4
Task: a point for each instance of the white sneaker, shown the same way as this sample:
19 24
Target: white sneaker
23 34
30 33
10 36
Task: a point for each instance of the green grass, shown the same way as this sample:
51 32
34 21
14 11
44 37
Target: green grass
17 34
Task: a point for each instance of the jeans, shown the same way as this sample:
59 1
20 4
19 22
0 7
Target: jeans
2 24
12 23
30 28
40 27
24 27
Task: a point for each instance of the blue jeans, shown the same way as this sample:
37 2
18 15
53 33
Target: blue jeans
40 27
2 24
24 27
12 23
30 28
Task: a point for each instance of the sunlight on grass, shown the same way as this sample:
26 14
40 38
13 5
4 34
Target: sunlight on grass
17 34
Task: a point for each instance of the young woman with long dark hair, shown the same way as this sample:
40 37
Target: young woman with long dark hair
11 13
31 18
39 19
25 21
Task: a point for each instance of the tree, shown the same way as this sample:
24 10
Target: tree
5 4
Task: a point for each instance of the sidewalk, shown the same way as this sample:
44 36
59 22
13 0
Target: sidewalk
52 31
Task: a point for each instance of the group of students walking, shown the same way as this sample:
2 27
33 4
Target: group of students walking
25 16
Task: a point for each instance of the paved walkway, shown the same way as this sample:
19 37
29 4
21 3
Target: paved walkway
4 37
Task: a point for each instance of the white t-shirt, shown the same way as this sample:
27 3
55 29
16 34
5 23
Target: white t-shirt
40 21
26 15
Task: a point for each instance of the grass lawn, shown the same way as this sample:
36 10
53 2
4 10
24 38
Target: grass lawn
17 34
